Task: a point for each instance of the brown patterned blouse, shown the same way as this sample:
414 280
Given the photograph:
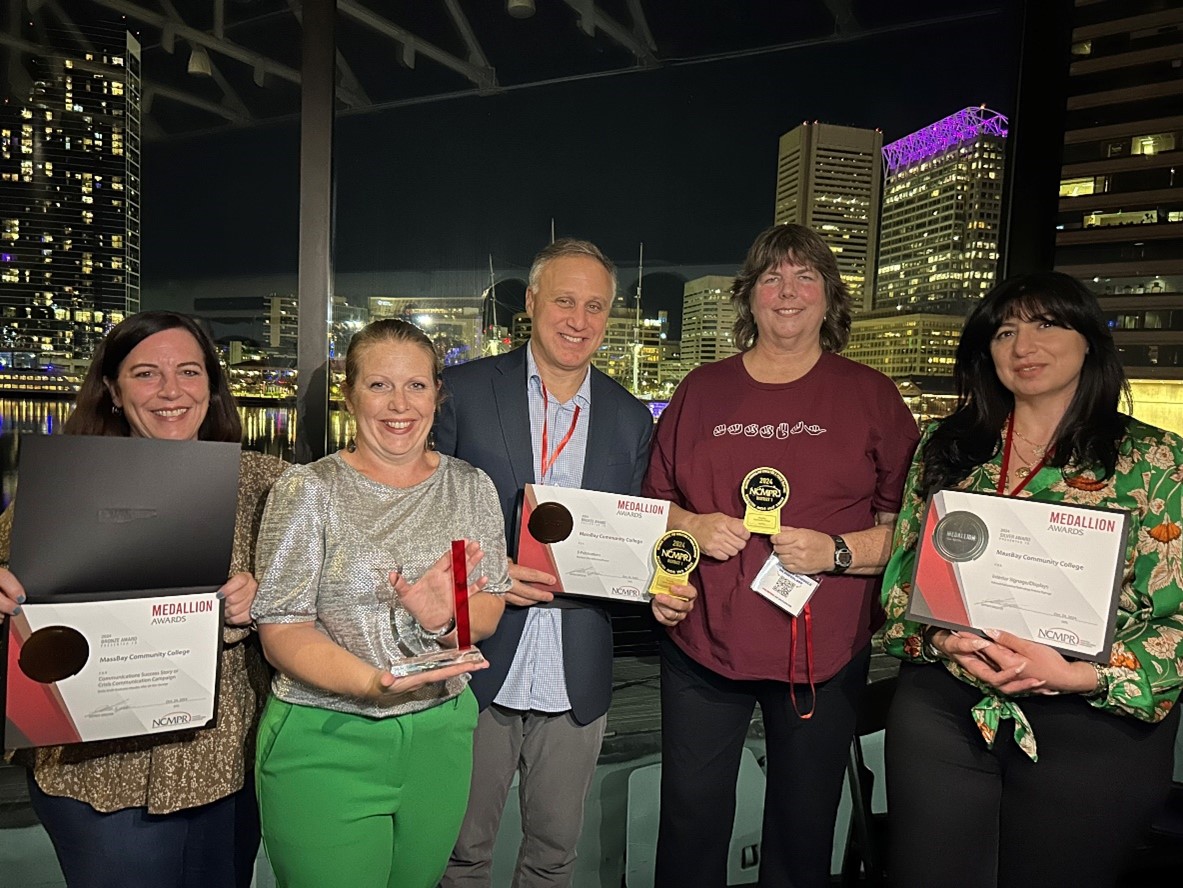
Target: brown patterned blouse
167 773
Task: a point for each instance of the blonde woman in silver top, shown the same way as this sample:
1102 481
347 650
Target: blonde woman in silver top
363 777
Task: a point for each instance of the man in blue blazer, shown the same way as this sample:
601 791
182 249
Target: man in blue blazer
543 414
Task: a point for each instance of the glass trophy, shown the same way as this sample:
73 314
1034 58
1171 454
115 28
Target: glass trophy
412 662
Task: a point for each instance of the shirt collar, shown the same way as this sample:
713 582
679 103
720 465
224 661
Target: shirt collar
582 397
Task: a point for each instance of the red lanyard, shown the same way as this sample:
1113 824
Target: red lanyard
1010 431
808 615
549 463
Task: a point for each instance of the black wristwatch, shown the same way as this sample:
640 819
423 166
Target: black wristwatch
843 557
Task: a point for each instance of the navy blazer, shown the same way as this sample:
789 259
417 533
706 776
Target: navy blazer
485 420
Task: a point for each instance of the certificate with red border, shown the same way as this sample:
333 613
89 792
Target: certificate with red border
98 670
596 544
1048 572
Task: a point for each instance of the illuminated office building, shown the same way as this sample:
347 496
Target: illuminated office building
829 178
454 323
69 204
707 320
270 324
1120 225
631 352
942 202
905 346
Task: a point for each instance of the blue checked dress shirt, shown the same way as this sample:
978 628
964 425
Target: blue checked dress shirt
536 679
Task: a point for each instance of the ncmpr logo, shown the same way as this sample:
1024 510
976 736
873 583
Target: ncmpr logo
629 593
1059 636
173 720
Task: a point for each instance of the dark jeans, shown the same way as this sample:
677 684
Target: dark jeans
213 846
704 721
996 819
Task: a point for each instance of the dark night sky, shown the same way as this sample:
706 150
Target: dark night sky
682 158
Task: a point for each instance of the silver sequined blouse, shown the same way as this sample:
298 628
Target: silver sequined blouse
329 539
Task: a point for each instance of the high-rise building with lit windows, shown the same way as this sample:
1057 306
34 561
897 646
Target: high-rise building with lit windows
1120 225
829 178
942 206
69 204
631 352
905 346
707 320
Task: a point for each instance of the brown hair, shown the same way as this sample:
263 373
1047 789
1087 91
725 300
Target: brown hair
798 245
93 413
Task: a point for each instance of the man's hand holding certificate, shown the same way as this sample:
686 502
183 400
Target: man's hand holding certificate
1046 572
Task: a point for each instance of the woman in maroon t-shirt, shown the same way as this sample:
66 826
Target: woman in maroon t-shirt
837 436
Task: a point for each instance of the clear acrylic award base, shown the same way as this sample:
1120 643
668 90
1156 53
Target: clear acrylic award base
435 660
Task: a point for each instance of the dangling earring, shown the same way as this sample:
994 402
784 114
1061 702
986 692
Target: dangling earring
351 447
430 443
116 410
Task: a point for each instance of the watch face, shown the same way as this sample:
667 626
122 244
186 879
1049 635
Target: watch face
843 557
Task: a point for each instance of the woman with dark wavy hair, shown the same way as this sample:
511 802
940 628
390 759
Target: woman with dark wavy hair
840 435
1039 390
168 810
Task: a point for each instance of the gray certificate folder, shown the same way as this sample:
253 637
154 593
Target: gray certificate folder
109 517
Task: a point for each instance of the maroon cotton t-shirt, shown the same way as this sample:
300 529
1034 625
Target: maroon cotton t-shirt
844 440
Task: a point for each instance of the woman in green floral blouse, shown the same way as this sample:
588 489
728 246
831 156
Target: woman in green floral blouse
1008 764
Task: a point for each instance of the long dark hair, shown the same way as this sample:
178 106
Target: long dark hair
799 245
93 414
1091 430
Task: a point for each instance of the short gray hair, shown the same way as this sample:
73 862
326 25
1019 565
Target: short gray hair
569 246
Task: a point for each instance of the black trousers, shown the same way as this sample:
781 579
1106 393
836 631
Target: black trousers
704 721
961 814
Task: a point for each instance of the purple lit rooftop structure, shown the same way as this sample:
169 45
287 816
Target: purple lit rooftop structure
964 126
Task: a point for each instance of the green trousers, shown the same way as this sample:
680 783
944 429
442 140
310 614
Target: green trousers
359 802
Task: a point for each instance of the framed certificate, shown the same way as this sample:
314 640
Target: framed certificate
1048 572
596 544
98 670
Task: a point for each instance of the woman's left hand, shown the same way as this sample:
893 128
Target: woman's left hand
803 551
1044 664
430 598
239 594
671 608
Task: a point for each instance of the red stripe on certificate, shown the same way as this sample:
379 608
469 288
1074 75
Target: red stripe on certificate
937 589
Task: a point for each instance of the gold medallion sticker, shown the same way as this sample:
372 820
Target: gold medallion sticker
764 492
676 555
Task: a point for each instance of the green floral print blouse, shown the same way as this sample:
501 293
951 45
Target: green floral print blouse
1145 668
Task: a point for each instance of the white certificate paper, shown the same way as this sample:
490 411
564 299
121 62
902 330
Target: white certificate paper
97 670
595 544
1048 572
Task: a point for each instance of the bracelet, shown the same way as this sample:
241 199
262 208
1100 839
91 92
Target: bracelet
449 628
1101 691
927 649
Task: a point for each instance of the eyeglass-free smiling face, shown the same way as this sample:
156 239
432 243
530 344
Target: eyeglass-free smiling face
163 387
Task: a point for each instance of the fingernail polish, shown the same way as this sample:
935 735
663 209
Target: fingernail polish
221 596
993 633
20 599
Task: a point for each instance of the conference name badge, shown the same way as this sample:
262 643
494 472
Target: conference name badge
676 555
765 492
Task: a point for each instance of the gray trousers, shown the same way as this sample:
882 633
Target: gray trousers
556 759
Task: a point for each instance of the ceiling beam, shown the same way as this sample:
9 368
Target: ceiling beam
641 24
476 55
482 76
159 90
261 64
592 17
229 94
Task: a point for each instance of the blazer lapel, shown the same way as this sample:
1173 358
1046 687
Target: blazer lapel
510 390
601 433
